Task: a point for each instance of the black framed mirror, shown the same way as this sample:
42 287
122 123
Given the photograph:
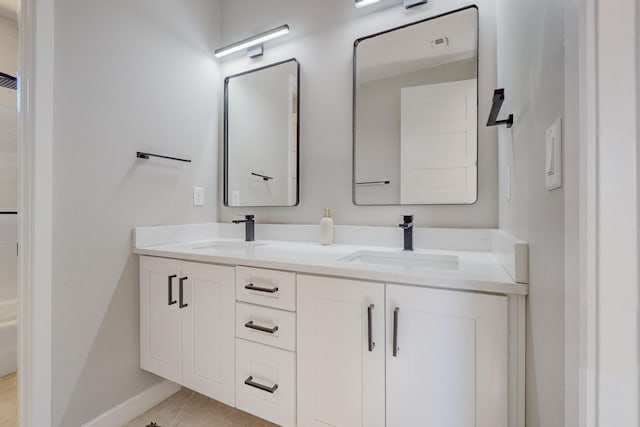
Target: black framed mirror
415 113
261 136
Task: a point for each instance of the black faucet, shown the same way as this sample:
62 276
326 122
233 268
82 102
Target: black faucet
407 226
249 227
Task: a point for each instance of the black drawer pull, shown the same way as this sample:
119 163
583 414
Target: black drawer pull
395 331
171 301
251 325
253 287
181 292
249 382
370 326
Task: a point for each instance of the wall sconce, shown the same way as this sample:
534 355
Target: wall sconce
254 44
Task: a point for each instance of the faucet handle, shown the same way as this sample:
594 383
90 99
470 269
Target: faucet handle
408 221
249 217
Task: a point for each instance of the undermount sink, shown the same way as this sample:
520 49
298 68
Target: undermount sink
228 245
405 259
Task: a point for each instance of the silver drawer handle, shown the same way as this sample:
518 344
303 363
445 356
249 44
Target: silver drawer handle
253 287
252 325
249 382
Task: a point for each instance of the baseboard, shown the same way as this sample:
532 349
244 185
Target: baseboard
137 405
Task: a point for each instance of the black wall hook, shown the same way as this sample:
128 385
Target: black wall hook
498 99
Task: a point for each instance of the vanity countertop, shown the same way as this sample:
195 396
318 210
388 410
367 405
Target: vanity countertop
476 271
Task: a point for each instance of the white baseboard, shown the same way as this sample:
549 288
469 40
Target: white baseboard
137 405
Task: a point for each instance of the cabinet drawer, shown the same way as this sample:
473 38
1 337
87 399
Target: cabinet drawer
271 288
266 325
265 382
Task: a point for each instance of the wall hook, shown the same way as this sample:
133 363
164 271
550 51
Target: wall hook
498 99
142 155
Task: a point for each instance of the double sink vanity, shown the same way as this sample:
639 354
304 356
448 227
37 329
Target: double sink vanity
386 327
357 333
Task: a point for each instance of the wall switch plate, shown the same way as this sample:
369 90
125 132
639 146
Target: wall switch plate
553 156
198 196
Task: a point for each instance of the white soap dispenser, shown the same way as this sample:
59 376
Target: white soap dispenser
326 228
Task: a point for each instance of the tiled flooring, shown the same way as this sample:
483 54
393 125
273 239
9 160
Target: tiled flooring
8 401
190 409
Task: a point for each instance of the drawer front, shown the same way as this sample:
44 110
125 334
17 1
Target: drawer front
266 325
265 382
270 288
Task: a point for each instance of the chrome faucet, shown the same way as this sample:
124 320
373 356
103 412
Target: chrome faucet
249 227
407 226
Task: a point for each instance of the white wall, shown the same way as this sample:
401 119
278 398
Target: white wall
322 40
128 76
8 161
531 70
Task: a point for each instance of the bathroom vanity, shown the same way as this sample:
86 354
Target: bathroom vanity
347 335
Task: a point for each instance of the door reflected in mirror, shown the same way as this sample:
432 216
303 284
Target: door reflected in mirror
261 136
416 113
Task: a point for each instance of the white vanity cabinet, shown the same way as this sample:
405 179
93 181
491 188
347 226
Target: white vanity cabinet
447 358
341 353
266 344
187 324
449 368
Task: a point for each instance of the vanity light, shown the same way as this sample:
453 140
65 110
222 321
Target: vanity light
413 3
407 3
363 3
256 41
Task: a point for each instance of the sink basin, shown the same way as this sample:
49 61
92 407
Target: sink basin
228 245
405 259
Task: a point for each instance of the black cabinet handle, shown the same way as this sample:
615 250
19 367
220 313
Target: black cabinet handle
395 331
249 382
253 287
181 292
170 286
251 325
369 321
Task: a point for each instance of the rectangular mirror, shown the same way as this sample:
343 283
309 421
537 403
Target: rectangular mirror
261 136
416 113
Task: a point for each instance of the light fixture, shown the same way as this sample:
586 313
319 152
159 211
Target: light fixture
256 40
413 3
363 3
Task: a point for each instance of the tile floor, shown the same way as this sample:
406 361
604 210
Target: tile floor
8 401
190 409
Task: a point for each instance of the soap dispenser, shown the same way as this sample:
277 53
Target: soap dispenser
326 228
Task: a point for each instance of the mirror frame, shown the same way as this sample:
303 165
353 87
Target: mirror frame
353 111
226 135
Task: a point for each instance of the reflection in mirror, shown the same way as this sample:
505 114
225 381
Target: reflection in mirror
261 136
415 113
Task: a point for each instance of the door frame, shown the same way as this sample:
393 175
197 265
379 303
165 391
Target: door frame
601 279
35 207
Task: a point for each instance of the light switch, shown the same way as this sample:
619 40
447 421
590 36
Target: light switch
553 156
198 196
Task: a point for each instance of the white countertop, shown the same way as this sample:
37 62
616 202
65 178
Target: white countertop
476 271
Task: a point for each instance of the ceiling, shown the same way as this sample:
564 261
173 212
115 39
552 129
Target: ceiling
9 9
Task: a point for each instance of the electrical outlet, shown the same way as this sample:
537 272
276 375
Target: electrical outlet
198 196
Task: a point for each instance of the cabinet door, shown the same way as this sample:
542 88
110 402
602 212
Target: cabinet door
160 319
450 366
208 330
340 379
